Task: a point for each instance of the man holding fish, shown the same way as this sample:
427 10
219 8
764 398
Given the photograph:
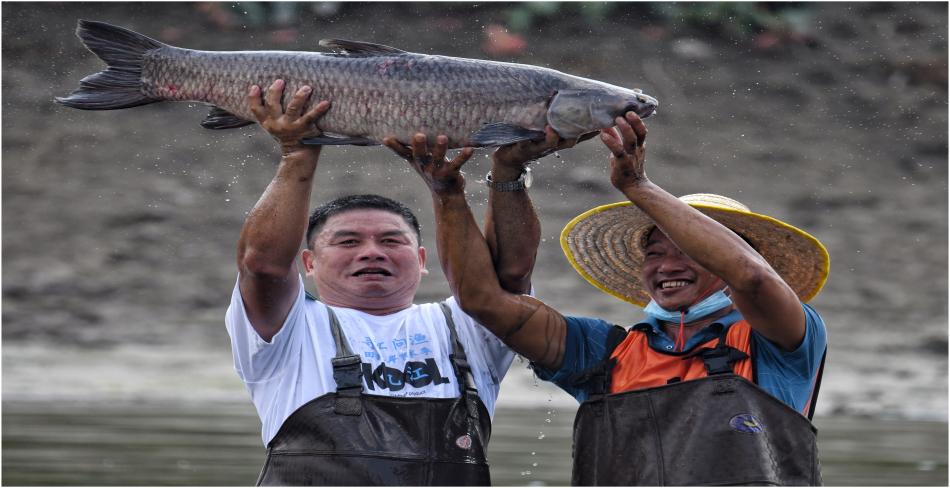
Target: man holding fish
362 386
718 384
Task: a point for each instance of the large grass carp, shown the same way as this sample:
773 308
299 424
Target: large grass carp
376 91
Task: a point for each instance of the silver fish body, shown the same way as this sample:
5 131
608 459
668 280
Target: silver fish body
376 91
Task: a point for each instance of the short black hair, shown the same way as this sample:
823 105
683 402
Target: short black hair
320 214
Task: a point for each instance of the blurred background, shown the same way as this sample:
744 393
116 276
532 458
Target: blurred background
119 227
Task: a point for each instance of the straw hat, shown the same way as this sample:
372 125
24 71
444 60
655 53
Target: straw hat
604 245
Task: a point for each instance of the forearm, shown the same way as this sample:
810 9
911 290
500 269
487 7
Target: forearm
528 326
709 243
513 232
464 254
272 232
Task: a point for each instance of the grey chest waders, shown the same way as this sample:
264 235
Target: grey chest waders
718 430
348 438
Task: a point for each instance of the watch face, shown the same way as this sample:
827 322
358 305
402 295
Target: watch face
527 178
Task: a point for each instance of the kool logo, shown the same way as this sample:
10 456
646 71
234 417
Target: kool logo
414 373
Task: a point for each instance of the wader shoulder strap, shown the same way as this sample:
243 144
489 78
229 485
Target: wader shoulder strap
596 379
719 359
346 372
813 399
463 372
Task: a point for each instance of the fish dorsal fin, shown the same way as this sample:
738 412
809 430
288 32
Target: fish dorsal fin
357 48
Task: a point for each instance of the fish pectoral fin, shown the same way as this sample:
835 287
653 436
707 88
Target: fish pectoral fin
335 140
222 119
357 48
502 134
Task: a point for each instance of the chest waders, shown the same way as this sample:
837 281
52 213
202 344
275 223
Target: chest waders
721 429
348 438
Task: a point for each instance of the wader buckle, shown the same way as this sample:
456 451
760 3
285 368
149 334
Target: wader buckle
464 372
349 385
719 359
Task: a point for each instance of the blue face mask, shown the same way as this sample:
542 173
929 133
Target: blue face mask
712 303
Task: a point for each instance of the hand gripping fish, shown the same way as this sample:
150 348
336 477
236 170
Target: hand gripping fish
376 91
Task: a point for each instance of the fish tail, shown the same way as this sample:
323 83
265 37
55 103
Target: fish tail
119 85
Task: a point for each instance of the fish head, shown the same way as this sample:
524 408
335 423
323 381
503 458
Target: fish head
576 112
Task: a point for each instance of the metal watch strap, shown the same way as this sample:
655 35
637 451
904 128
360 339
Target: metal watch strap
506 186
515 185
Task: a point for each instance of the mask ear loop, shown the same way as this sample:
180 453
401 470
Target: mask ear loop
680 343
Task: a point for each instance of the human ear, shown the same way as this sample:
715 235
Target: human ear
309 263
422 261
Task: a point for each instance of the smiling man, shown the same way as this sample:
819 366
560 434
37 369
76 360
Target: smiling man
363 386
717 385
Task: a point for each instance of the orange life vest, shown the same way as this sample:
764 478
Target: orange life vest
638 366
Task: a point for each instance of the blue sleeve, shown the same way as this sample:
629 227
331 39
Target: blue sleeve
584 346
790 375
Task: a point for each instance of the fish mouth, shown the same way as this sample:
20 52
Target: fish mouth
643 110
372 272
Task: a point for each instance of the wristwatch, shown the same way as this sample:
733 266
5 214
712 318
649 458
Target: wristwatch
523 181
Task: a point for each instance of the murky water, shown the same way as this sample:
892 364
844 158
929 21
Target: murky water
219 444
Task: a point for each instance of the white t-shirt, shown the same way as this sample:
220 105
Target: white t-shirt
404 354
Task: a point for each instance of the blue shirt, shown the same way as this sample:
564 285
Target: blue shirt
786 375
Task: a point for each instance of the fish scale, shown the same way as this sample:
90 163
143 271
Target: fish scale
376 91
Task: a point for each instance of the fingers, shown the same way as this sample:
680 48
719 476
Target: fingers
420 149
315 112
461 158
255 103
630 139
626 137
441 146
421 156
639 128
272 98
610 139
297 102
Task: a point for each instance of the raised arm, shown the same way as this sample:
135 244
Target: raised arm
527 325
765 300
274 228
512 229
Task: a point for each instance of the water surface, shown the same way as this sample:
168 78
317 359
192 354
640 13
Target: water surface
211 443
